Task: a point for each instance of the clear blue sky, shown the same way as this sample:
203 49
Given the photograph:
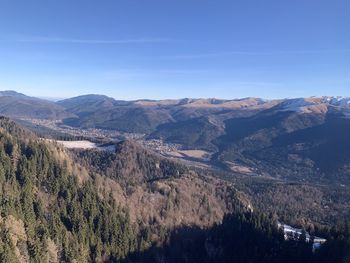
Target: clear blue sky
175 48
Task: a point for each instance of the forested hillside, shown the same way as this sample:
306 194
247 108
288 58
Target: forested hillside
48 214
159 191
54 210
247 237
131 206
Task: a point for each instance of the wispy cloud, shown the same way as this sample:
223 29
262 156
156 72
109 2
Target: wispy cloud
123 74
60 40
256 83
255 53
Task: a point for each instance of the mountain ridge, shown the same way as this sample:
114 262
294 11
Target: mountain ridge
243 135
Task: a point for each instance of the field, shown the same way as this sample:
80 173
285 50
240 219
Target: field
78 144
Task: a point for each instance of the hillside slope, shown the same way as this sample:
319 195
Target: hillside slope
310 147
55 209
161 191
17 105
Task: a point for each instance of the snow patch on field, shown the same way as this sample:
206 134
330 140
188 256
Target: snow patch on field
78 144
85 144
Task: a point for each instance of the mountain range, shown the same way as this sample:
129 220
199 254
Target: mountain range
272 160
303 139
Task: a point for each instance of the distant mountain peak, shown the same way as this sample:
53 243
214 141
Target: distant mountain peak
12 93
91 97
89 102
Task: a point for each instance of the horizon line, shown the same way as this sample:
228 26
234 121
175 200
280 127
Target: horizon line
57 98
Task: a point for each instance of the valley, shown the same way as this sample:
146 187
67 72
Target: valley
292 139
256 145
97 138
174 131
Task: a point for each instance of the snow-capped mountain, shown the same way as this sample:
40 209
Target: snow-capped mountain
316 105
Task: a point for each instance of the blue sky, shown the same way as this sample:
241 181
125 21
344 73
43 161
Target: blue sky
173 49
